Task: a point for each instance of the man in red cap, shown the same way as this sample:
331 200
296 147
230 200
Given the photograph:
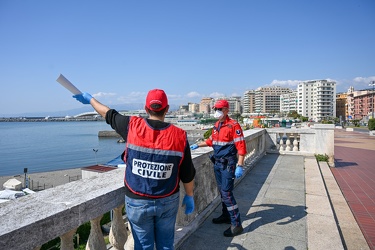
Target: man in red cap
229 147
157 157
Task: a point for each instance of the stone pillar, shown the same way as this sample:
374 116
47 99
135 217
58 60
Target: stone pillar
96 239
295 142
324 141
129 245
288 143
118 234
67 240
281 142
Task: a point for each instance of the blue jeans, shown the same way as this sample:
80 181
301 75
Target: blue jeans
153 221
224 174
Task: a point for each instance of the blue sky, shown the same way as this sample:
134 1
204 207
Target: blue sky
118 50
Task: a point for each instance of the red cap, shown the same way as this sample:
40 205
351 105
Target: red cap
221 104
156 96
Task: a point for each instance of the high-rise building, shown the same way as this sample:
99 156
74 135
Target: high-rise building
288 102
317 99
205 105
248 102
235 106
267 99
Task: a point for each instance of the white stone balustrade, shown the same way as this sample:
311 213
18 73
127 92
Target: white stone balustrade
303 141
31 221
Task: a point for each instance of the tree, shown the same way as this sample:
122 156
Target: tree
371 124
356 123
293 114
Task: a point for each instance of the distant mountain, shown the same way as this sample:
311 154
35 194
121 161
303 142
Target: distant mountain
86 108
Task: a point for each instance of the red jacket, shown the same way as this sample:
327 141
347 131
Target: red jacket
227 139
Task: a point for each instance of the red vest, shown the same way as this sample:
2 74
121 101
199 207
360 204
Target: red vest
153 158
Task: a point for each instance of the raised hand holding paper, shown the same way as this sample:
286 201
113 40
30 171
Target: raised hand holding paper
68 85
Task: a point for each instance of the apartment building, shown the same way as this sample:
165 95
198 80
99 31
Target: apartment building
288 102
235 105
248 102
205 105
341 106
267 99
193 107
360 104
317 99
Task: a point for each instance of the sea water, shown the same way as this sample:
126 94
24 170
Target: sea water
49 146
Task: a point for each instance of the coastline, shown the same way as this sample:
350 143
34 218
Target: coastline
44 180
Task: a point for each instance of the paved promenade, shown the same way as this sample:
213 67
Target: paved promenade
355 174
286 202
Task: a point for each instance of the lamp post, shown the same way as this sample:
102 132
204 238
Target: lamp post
372 83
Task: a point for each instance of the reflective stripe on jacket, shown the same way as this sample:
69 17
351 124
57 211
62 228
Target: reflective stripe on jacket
153 158
227 139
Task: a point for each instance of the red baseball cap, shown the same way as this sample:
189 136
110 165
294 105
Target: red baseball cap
156 96
221 104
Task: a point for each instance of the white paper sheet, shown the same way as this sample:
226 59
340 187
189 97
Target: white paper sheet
68 85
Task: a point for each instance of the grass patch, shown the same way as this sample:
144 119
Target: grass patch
321 157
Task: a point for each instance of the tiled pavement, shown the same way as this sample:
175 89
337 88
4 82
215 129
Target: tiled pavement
355 174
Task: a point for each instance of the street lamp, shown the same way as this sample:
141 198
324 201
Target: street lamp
372 83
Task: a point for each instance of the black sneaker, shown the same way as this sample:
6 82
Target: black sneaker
221 219
233 231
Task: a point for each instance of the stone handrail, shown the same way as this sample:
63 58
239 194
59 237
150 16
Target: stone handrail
303 141
31 221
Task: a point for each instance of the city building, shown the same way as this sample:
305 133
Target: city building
317 99
183 108
288 102
359 104
248 102
267 99
205 105
341 106
235 105
193 107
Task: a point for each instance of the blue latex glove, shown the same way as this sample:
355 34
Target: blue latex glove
83 98
188 202
194 146
239 171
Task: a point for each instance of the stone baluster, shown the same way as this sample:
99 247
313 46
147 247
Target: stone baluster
281 142
67 240
118 234
96 239
129 245
288 143
295 142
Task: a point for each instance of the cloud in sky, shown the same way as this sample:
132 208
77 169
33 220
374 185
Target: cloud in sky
216 95
102 94
364 80
285 83
193 94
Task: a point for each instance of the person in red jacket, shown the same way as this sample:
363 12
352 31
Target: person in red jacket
229 147
157 157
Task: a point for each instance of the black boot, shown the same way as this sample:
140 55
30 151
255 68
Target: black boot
233 231
221 219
